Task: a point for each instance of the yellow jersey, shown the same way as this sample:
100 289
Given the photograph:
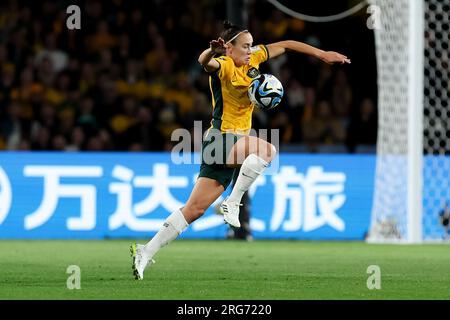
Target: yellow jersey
232 109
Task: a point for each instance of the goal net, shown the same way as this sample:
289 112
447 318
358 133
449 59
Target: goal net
412 180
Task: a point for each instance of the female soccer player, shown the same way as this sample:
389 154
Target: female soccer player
227 144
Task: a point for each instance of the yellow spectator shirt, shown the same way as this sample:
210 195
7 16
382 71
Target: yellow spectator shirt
232 109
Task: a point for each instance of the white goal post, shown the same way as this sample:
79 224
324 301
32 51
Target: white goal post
412 174
412 169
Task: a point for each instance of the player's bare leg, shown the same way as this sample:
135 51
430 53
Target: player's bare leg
205 192
254 154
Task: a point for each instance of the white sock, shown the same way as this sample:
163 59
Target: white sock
251 168
172 227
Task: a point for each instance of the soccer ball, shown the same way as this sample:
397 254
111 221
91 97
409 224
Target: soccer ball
265 91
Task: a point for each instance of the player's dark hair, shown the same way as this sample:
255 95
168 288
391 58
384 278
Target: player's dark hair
230 31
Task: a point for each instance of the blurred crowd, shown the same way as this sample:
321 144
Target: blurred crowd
130 76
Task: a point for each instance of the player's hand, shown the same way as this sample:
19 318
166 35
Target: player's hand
332 57
218 46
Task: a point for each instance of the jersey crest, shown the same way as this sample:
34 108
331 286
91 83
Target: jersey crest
253 72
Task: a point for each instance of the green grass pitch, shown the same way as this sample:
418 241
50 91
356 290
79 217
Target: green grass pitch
222 270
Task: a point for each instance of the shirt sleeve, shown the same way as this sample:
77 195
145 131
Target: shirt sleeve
225 67
260 54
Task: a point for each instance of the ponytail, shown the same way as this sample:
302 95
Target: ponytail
231 31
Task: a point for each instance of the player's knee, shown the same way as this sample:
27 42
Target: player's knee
267 152
194 211
272 151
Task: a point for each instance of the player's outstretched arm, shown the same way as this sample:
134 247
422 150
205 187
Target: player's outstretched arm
330 57
206 57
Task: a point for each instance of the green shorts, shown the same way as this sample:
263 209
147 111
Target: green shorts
215 150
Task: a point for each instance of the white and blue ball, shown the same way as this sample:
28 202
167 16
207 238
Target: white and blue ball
265 91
